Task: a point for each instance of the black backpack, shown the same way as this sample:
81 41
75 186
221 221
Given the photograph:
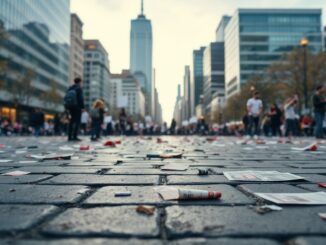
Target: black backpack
70 99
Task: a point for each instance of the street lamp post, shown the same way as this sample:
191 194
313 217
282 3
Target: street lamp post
304 44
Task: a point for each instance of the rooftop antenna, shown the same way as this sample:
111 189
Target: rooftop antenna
142 7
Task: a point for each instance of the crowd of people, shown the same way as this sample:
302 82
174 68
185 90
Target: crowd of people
97 121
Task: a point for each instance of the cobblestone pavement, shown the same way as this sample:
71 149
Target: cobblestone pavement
73 201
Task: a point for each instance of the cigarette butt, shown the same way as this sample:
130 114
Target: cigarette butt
145 210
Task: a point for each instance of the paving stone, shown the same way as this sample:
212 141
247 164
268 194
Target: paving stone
84 241
224 241
25 179
92 179
241 221
194 179
152 171
59 170
41 194
105 221
314 178
147 195
311 187
270 188
318 240
22 217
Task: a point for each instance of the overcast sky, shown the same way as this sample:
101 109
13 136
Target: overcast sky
179 27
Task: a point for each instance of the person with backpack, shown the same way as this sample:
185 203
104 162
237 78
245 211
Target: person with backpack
96 118
74 103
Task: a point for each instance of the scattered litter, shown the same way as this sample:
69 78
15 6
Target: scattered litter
82 191
160 141
2 146
147 210
322 215
66 148
312 147
27 162
173 193
20 152
314 198
5 160
171 155
53 156
322 185
266 208
175 167
16 173
32 147
110 143
12 190
203 171
122 194
260 142
84 147
251 175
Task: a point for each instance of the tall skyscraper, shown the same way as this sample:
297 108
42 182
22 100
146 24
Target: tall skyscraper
141 56
76 48
38 39
197 75
96 72
187 93
220 30
255 38
213 63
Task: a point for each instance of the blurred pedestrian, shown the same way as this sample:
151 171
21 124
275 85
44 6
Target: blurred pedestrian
275 115
96 119
74 103
290 117
319 103
84 122
254 108
37 121
122 121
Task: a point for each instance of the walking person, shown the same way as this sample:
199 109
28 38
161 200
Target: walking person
290 117
254 108
123 121
319 103
108 124
84 122
96 123
37 121
74 103
275 115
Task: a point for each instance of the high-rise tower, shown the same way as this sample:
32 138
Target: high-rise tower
141 56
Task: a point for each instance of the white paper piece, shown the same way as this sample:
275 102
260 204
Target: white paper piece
251 175
66 148
314 198
175 167
312 147
172 193
51 156
271 207
20 152
16 173
122 101
322 215
5 160
27 162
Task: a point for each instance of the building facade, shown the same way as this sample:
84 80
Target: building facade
96 73
220 30
213 65
37 41
255 38
197 76
76 48
125 85
141 56
187 93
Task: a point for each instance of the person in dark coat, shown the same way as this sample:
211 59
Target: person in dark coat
75 111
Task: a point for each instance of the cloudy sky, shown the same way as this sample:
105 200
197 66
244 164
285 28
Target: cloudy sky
179 26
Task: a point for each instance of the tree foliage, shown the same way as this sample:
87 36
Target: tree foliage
52 97
283 79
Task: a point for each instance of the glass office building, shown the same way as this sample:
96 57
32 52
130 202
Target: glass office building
255 38
197 76
38 38
213 69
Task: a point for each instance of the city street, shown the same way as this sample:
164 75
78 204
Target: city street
91 193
